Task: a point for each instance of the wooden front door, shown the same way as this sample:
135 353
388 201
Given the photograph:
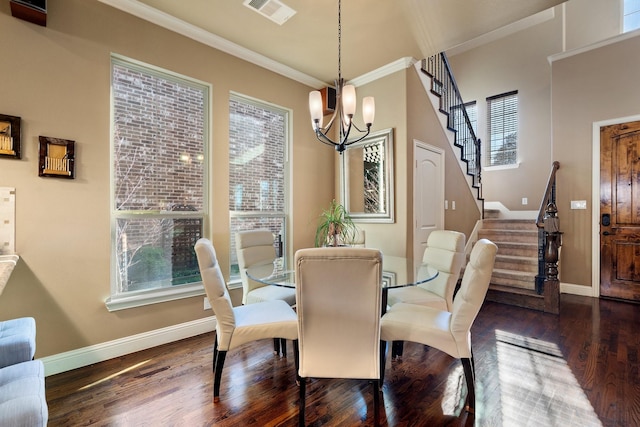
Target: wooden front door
620 211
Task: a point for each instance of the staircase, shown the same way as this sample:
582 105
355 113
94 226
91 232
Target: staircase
516 266
525 272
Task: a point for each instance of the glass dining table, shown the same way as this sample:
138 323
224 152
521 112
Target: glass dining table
396 272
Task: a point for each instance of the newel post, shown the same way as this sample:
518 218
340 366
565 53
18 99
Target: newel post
553 242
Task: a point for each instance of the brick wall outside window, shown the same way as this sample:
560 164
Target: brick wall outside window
158 172
257 141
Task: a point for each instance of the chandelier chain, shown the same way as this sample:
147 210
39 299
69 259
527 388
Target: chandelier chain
339 40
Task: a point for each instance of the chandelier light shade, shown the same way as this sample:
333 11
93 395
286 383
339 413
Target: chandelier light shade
345 109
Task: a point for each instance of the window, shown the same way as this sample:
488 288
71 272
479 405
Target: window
258 169
502 123
631 15
159 198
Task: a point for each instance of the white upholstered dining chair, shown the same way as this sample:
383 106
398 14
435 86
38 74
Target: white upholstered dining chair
445 253
236 326
255 248
339 303
448 331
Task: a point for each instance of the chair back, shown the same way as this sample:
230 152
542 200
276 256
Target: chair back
216 291
469 299
445 253
253 247
359 239
339 302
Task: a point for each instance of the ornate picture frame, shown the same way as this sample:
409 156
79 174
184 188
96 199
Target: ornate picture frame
9 136
56 157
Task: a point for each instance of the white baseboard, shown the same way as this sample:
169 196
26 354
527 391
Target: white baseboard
509 214
570 288
85 356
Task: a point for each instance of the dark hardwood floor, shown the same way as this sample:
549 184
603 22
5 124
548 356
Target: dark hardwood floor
578 368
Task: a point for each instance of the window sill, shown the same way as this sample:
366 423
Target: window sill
234 284
133 300
502 167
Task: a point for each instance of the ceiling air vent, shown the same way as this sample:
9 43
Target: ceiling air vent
275 10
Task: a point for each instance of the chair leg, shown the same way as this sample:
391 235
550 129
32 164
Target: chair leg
377 386
296 356
383 361
303 391
215 351
218 375
396 349
276 346
283 347
469 374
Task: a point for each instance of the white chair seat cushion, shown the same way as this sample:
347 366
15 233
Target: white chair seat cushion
425 325
270 319
416 295
270 293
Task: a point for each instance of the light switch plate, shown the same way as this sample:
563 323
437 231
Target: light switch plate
578 204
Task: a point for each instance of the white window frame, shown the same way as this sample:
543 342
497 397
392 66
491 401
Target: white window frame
125 300
234 279
628 10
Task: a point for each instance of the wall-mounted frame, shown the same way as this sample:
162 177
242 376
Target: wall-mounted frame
57 157
367 178
9 136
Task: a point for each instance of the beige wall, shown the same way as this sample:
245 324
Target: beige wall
595 86
423 124
391 110
559 102
590 21
518 62
57 79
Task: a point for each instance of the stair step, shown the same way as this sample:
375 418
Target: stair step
518 263
515 279
518 297
491 213
497 236
519 249
509 224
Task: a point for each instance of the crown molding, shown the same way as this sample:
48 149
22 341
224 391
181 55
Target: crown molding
502 32
385 70
176 25
162 19
606 42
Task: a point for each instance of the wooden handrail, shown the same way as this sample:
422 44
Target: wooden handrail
547 194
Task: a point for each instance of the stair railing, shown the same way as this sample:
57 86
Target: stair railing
444 86
549 242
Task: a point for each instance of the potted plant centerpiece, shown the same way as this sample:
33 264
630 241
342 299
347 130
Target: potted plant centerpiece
336 226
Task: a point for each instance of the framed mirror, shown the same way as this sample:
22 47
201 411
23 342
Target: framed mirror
367 178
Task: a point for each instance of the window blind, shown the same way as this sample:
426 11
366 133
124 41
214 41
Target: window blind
502 124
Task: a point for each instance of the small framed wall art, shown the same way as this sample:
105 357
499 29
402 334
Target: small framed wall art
57 157
9 136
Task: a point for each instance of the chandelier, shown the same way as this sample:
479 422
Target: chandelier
344 111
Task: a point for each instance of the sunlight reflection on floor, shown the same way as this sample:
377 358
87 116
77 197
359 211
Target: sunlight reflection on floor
537 386
108 377
452 399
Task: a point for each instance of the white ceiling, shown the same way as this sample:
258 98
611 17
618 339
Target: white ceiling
375 33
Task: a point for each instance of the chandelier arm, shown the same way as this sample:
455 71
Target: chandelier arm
325 140
353 141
